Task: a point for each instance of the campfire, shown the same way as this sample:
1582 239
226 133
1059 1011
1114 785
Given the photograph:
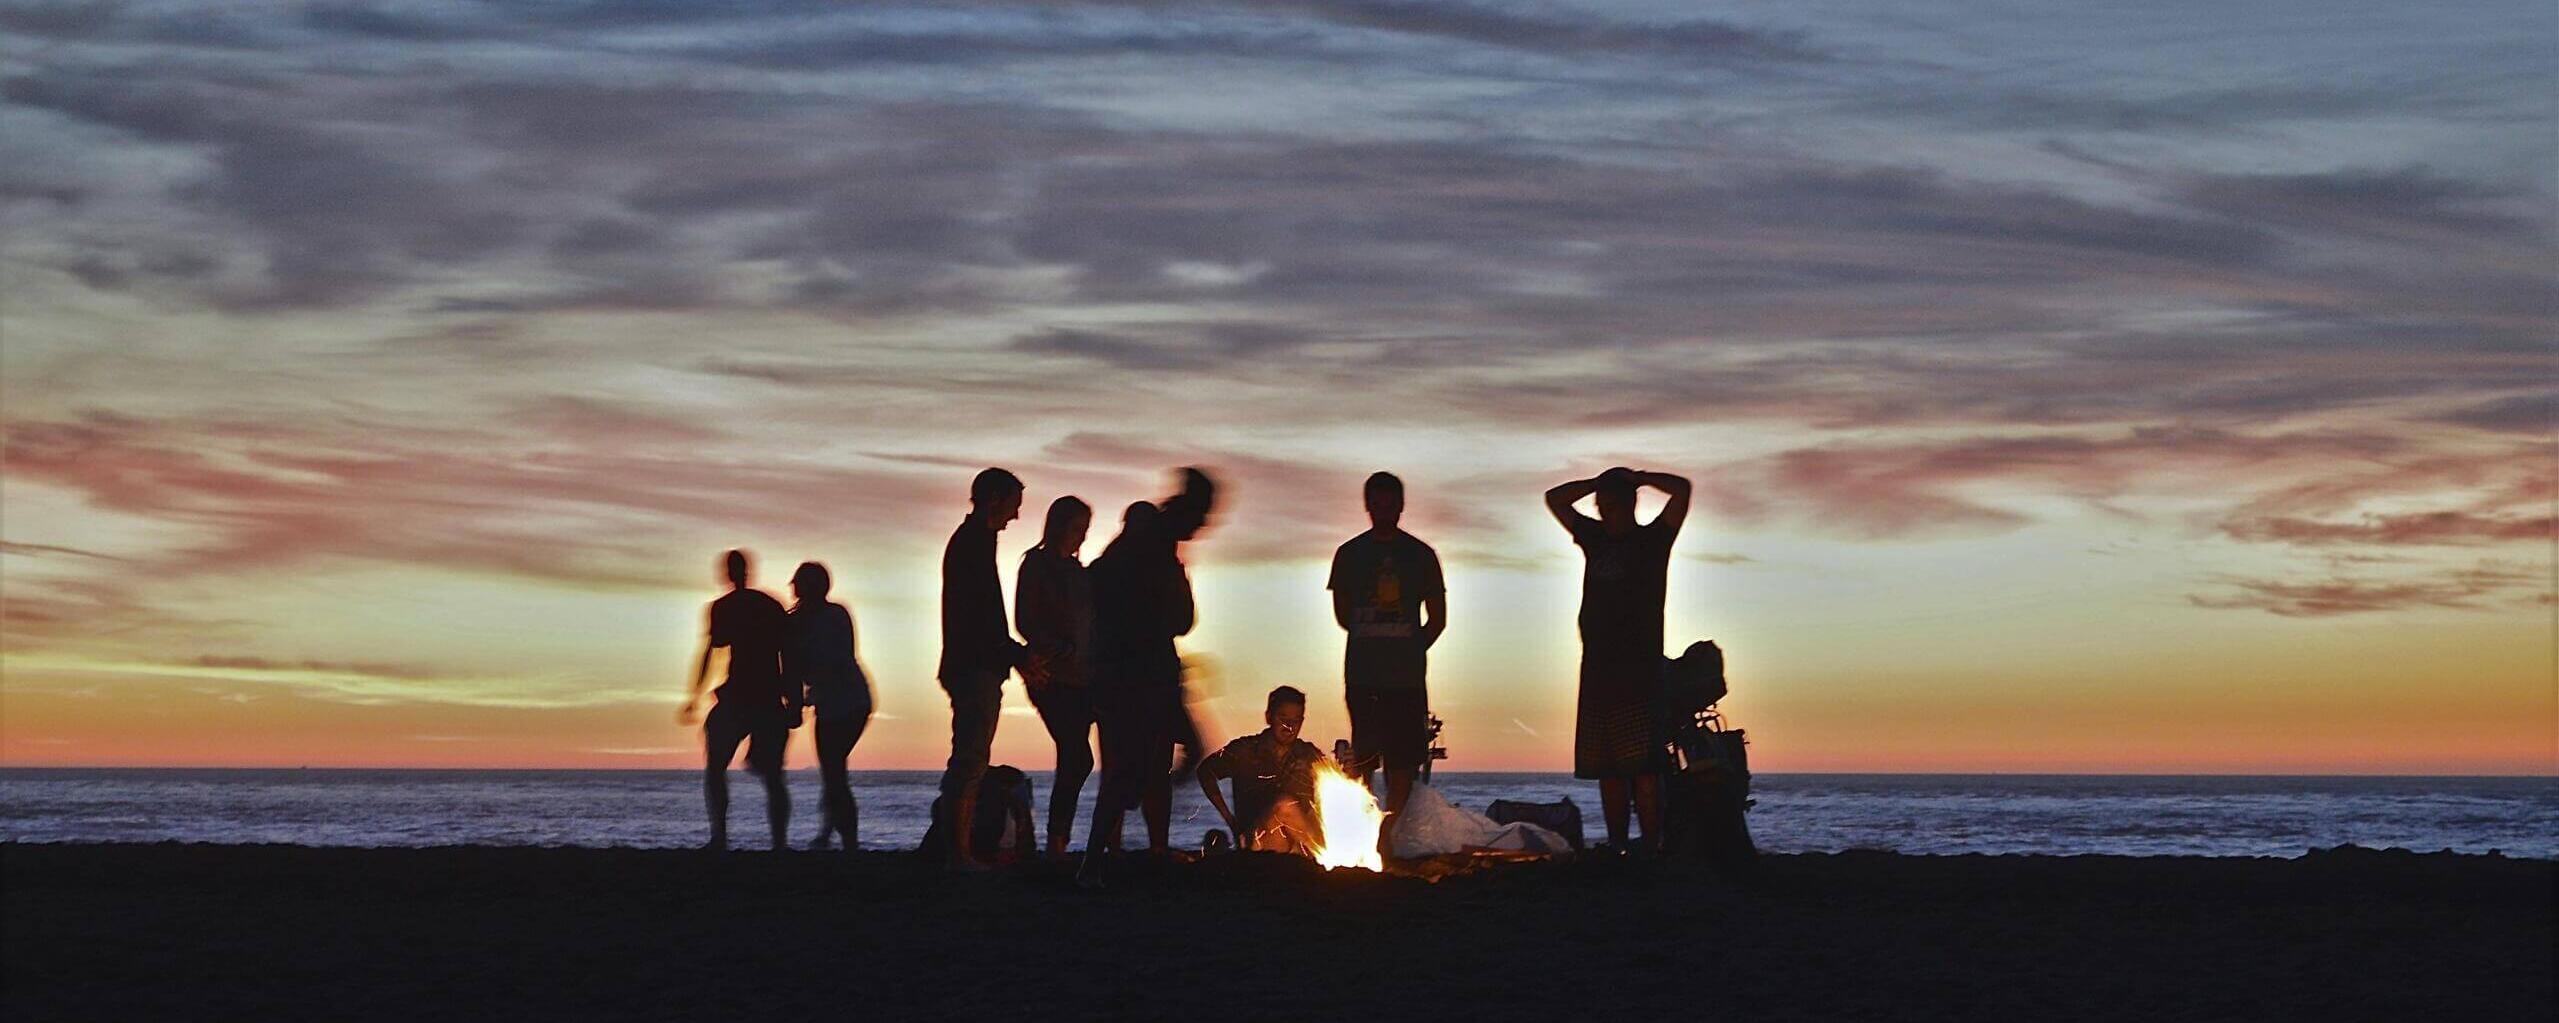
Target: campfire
1350 819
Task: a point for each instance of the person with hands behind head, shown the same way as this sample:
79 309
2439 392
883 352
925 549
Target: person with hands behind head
1617 738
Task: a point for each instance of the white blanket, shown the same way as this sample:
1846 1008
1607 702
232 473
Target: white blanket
1432 826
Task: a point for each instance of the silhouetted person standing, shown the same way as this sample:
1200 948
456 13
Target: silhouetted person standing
1617 735
821 659
978 650
1388 595
1053 606
752 706
1141 604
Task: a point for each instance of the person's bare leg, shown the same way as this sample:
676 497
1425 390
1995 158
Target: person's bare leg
829 817
1157 804
715 795
964 829
1105 836
777 807
1648 809
1074 766
1612 808
718 748
1291 828
1399 788
1104 840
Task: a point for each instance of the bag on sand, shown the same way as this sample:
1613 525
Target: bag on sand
1708 798
1562 818
1708 795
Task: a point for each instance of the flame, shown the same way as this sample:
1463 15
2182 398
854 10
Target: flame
1350 819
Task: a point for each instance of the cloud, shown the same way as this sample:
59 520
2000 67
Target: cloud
2527 414
2471 589
337 683
1934 488
265 665
570 507
1171 346
53 550
561 291
1581 35
2447 528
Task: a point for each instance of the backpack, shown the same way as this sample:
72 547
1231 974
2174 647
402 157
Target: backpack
1707 796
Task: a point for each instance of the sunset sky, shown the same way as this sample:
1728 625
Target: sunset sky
2068 386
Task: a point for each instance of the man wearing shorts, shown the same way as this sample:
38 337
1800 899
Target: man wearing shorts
1388 596
753 707
978 649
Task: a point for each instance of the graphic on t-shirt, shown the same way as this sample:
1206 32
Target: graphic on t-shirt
1387 616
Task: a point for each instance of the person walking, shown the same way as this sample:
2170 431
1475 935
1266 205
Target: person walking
1141 605
752 706
821 660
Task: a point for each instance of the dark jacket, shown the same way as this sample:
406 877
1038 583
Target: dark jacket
975 637
1141 602
1053 603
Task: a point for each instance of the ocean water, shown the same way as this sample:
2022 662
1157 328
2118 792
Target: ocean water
1936 814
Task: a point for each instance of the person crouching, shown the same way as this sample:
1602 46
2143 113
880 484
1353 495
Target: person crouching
1273 771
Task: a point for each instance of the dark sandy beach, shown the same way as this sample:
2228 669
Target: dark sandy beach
204 932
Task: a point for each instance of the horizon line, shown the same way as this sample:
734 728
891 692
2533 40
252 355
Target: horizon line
2552 775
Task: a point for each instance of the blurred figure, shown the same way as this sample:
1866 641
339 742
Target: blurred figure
821 660
751 707
1388 595
1274 777
1141 604
978 650
1053 606
1617 735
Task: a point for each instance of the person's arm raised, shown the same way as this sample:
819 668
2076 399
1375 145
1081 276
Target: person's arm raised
1560 499
1675 512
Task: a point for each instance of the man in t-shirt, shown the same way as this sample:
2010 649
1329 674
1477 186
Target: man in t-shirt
1274 775
753 707
1388 596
